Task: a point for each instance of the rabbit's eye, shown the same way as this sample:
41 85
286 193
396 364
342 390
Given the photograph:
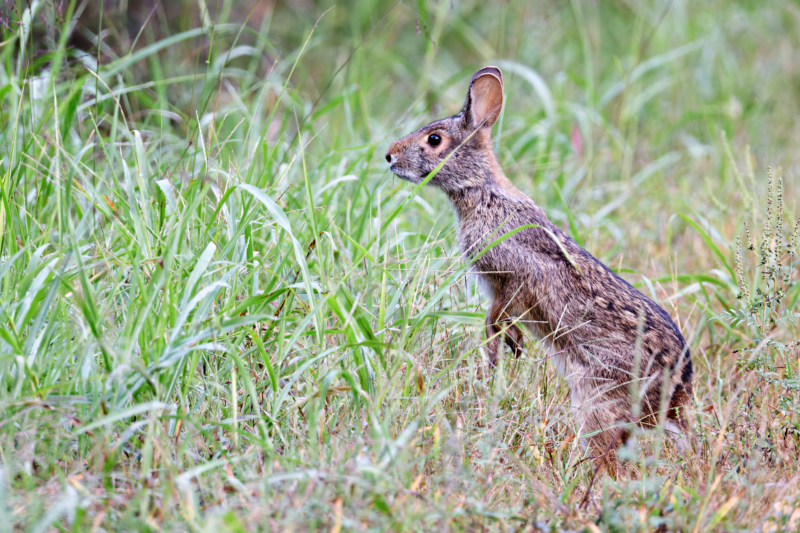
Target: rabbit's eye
434 140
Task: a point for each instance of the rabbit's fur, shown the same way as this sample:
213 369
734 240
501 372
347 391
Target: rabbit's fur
598 325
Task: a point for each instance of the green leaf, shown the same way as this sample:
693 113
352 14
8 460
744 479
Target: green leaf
714 248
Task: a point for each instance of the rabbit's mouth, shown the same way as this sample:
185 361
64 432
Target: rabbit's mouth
403 173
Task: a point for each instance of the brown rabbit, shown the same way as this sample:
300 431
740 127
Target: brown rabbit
598 325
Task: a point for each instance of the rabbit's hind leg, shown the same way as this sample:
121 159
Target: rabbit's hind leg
602 443
676 425
604 433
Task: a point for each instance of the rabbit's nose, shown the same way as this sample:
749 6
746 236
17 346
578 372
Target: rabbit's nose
388 157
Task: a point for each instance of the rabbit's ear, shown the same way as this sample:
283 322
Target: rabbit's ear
484 98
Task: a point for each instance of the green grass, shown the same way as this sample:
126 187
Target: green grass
220 312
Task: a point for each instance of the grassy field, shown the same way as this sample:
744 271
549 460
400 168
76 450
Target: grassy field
220 312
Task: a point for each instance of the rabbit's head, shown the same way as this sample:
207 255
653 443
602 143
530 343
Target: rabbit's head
469 134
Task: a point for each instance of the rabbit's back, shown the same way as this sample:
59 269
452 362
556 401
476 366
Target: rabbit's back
595 320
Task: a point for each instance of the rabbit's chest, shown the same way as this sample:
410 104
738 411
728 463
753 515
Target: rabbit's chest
481 241
487 288
494 263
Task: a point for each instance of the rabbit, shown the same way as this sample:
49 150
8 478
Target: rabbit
598 326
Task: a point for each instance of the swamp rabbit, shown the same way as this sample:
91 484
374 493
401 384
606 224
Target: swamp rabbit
598 326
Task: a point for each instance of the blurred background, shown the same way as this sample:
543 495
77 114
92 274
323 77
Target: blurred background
596 91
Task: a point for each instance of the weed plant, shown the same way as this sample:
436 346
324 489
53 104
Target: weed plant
769 317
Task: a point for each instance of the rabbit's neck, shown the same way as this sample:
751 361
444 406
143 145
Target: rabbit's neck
494 187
